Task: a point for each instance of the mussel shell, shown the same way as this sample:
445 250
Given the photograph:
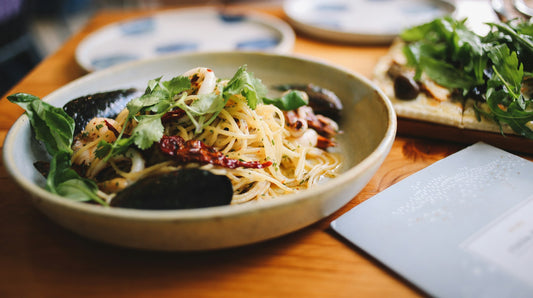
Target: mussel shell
105 104
182 189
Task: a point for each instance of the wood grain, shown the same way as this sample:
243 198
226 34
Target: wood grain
428 130
40 259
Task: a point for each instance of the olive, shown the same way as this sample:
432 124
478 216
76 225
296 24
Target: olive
405 87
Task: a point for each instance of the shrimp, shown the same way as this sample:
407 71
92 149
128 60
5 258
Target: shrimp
308 138
203 80
306 128
126 178
85 144
296 125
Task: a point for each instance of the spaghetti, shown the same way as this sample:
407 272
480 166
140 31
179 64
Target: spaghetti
263 150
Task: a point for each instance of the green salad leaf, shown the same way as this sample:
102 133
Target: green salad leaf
496 64
508 71
447 51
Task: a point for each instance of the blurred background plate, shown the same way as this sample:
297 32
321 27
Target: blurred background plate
362 21
183 30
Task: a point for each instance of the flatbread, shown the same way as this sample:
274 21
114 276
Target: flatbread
471 121
424 107
451 111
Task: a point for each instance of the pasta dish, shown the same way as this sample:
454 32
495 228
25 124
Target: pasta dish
265 147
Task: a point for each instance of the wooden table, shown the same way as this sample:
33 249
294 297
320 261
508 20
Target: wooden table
40 259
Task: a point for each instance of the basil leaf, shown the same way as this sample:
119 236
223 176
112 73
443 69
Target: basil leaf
51 125
289 101
55 129
66 182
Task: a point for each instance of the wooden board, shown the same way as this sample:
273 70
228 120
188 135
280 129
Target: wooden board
415 128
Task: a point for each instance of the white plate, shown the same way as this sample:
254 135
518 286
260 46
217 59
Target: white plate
368 122
193 29
362 21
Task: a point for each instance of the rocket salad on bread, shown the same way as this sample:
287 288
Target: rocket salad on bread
445 73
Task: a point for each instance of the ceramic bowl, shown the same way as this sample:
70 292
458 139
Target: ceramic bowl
368 124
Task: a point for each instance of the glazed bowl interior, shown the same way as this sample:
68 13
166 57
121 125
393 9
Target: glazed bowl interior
368 123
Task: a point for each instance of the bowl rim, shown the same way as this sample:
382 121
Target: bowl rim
200 214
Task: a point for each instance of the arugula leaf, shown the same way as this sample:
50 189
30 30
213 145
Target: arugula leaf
418 32
513 115
516 36
289 101
51 125
445 74
504 97
508 70
457 58
447 51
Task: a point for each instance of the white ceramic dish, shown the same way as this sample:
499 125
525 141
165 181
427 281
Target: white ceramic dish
183 30
362 21
368 122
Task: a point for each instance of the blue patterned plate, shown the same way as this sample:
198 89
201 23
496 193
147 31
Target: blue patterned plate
183 30
361 21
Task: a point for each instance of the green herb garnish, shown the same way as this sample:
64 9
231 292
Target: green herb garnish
55 129
492 69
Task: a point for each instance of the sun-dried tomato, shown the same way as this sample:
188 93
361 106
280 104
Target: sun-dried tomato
174 114
112 128
197 151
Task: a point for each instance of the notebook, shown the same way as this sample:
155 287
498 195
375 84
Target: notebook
462 227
